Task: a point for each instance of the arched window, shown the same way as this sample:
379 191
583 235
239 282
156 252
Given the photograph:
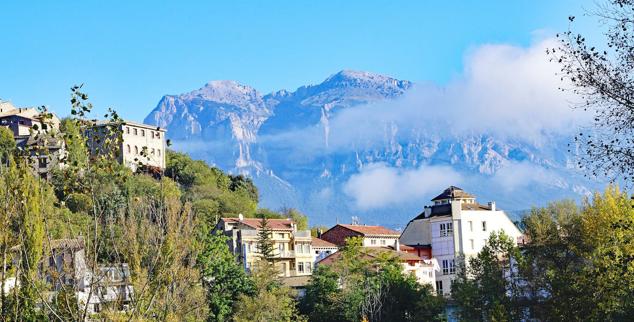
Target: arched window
142 132
136 149
135 132
127 130
159 152
129 148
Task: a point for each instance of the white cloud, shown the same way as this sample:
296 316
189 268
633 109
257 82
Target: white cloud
378 185
517 175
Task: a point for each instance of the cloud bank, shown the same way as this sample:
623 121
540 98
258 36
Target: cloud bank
378 185
507 91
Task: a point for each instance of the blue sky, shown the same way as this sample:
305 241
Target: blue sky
130 53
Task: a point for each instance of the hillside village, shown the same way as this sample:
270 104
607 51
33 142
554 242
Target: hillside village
454 226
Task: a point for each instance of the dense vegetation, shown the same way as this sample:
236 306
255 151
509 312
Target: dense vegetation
159 225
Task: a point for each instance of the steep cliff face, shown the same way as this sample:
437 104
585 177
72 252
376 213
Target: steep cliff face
303 147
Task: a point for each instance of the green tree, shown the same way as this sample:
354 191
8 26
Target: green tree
265 243
487 289
271 302
75 141
300 219
553 252
608 276
368 284
222 276
7 145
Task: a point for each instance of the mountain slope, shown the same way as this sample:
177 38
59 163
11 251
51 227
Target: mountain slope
323 149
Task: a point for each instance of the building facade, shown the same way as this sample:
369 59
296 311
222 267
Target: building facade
293 251
140 144
322 248
453 228
36 136
378 239
372 236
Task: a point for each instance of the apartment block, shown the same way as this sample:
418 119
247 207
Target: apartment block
293 253
455 227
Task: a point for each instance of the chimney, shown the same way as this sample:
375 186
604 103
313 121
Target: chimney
397 246
427 211
240 217
492 205
319 232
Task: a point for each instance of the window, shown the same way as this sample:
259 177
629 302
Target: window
308 267
382 241
281 235
135 132
448 267
372 241
158 135
280 246
153 151
159 152
152 133
306 248
127 129
136 149
472 243
439 287
300 267
484 226
142 132
129 150
470 225
446 229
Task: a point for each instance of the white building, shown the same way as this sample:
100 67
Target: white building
455 226
322 248
141 144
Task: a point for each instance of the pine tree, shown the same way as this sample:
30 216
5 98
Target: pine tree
265 243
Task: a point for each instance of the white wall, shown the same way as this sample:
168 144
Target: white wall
379 241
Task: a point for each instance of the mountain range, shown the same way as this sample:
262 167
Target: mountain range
366 145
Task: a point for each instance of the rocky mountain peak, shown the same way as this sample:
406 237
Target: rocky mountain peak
226 92
361 79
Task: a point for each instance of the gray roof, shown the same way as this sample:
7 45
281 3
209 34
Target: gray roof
453 192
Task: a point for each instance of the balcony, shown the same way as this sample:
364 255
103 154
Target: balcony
285 254
302 234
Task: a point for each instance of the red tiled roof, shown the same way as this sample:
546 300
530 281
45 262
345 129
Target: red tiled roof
256 223
371 230
405 247
318 242
373 252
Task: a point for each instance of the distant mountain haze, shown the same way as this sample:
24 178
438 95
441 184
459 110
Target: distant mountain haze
368 145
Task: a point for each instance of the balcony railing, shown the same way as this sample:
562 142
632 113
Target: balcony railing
285 253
